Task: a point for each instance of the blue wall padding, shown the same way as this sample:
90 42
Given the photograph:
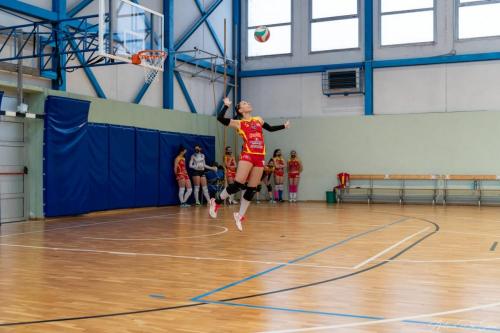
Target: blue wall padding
66 150
121 167
91 167
98 167
169 148
147 167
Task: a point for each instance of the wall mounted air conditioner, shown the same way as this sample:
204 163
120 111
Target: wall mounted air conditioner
343 82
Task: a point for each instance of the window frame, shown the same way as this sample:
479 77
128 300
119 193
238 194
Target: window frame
335 18
456 25
434 30
270 26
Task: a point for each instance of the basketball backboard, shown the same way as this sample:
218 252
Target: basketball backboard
126 28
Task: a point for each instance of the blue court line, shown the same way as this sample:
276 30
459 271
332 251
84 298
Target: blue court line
347 315
251 277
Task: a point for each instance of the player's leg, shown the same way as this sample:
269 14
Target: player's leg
242 173
253 181
189 190
204 187
196 181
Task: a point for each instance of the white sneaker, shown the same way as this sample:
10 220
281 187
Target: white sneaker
213 208
238 219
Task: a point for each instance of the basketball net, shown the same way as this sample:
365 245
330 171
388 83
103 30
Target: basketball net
154 60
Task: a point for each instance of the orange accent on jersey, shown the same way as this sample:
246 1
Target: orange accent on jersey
293 166
181 166
253 138
279 165
230 163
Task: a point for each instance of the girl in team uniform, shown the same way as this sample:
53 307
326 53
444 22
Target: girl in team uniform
294 171
266 181
230 169
279 175
182 177
251 164
197 163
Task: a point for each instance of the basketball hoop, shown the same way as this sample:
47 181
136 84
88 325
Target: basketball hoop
152 61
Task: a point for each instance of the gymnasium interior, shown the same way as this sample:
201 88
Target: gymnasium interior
394 112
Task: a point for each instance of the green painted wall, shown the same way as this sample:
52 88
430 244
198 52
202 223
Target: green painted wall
440 143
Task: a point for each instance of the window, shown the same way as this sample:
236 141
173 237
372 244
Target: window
277 16
334 25
478 18
406 22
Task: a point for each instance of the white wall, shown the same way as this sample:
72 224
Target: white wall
436 88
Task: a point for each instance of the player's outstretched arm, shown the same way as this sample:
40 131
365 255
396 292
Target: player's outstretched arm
270 128
226 121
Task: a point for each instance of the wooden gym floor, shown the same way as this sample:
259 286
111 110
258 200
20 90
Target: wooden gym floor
305 267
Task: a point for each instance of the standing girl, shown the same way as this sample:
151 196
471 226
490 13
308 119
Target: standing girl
294 171
251 164
230 168
182 177
279 175
197 163
266 180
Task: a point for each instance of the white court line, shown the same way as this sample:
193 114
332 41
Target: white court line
224 230
449 261
87 225
386 321
389 249
166 256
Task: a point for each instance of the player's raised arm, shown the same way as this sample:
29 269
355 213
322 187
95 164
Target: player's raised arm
226 121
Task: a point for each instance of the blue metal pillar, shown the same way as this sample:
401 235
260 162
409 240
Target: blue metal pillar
368 57
168 74
59 6
185 91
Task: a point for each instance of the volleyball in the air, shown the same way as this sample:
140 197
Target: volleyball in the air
262 34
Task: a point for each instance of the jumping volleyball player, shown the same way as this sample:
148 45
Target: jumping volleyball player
251 164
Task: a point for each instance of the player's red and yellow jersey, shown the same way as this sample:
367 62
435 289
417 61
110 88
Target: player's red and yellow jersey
253 139
181 166
230 163
268 169
279 163
294 165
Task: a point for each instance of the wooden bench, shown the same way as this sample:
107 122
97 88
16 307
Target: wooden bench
475 184
444 187
399 183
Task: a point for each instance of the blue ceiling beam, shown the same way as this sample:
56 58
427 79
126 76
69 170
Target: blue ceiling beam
444 59
79 7
210 28
196 25
299 70
29 10
88 72
185 92
142 92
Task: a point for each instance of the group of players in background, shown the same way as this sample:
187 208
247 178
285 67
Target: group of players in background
274 171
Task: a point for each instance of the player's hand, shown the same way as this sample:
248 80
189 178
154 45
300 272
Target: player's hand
287 124
227 102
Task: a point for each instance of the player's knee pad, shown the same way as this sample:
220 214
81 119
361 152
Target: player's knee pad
259 188
234 188
249 193
269 188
